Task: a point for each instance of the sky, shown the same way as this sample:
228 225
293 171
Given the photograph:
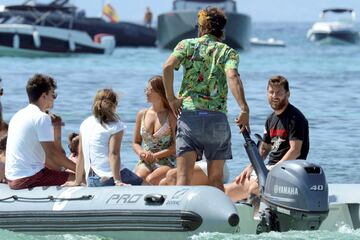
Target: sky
259 10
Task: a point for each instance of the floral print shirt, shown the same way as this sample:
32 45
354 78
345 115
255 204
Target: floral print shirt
205 62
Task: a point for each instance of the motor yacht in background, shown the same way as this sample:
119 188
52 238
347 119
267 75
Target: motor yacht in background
32 40
341 29
63 14
179 23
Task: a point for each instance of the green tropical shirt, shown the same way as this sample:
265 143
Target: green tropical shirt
205 61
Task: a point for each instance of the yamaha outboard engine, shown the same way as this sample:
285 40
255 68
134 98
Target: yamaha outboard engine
295 193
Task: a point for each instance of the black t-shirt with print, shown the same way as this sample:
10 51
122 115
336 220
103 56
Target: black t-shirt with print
280 129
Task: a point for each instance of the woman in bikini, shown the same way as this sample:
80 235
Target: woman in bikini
154 135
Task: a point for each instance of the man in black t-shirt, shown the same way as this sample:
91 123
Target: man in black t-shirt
286 137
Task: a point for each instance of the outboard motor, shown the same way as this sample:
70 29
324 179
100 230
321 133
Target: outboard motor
295 193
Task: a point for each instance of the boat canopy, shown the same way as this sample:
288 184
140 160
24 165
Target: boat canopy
338 10
56 5
207 1
41 8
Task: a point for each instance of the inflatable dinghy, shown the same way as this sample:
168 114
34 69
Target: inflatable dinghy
135 212
294 196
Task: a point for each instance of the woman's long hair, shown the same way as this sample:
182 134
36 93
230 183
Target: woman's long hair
157 85
105 102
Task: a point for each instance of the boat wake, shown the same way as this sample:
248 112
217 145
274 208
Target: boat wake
343 233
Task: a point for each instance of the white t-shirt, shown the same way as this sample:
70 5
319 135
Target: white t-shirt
24 153
95 145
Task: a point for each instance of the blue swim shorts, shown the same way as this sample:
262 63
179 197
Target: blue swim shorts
205 132
127 176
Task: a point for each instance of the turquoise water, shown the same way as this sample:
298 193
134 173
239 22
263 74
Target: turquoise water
324 81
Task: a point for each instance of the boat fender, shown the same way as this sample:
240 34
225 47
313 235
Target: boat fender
72 45
98 37
36 39
154 199
16 41
107 41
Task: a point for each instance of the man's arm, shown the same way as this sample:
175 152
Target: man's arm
55 157
168 80
114 155
264 149
293 152
168 76
237 90
80 166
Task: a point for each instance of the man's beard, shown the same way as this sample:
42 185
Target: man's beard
278 105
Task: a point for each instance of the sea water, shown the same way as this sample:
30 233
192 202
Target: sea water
324 83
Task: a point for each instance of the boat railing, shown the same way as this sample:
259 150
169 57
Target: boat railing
225 5
42 18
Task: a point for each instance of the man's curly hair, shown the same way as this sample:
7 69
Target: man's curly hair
212 21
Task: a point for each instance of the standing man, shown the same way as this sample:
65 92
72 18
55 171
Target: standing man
148 17
202 128
31 142
286 137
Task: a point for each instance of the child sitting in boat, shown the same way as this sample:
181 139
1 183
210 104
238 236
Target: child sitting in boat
73 139
3 140
3 124
99 146
154 135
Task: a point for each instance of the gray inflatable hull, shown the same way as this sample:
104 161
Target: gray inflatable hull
176 26
136 212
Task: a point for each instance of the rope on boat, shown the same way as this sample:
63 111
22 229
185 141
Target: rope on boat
46 199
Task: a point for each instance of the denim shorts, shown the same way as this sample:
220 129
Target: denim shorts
127 176
205 132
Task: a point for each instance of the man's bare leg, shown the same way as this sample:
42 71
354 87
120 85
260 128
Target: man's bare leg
185 168
216 173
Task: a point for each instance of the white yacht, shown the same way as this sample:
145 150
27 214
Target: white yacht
338 28
36 41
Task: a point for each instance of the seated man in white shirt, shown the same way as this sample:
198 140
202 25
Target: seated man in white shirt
31 143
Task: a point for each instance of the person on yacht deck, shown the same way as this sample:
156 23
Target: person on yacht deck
31 145
154 135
